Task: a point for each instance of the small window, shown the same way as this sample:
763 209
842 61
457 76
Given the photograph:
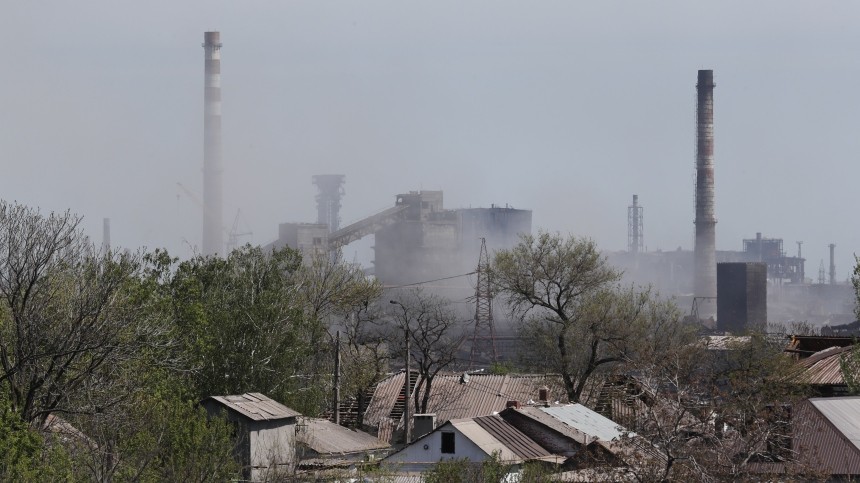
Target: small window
448 443
317 241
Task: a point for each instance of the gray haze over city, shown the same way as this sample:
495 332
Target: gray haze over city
564 108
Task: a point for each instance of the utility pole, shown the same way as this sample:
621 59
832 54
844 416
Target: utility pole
408 401
337 379
408 407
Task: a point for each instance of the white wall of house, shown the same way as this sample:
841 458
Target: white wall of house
428 450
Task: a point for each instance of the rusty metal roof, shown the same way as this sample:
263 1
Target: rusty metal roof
328 438
823 368
482 395
828 434
494 435
804 345
511 437
255 406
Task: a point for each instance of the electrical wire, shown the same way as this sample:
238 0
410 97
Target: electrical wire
429 281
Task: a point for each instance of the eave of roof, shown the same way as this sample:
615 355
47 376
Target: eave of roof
255 406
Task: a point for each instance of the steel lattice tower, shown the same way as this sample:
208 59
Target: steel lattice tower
484 338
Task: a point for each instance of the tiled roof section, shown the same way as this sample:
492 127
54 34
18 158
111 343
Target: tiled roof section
823 368
256 406
328 438
511 437
482 395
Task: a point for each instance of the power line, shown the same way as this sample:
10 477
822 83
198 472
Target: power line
429 281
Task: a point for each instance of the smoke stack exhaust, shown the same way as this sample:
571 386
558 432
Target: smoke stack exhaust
213 237
705 265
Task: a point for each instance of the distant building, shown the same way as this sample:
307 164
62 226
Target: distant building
741 297
310 239
265 429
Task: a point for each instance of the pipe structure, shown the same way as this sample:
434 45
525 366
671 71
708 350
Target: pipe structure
705 265
832 264
106 234
635 242
213 231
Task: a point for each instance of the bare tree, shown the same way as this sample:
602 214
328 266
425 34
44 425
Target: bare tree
366 357
69 319
435 334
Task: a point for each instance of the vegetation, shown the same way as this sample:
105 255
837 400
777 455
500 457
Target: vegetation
435 334
104 356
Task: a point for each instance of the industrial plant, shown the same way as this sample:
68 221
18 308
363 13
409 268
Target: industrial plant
418 240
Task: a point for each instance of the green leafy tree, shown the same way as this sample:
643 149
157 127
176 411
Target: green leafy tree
571 307
243 329
25 455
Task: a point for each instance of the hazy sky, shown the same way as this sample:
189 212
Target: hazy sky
566 108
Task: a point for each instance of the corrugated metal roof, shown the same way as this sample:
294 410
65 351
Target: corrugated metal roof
484 440
482 395
511 437
843 413
823 367
256 406
825 434
494 435
553 423
325 437
586 421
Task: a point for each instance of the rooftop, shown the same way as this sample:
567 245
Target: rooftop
326 437
255 406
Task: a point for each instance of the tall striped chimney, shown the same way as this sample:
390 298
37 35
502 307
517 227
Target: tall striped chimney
213 233
705 264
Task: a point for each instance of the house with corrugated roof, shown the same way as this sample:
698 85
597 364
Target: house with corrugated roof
823 371
586 438
455 396
824 440
265 431
476 439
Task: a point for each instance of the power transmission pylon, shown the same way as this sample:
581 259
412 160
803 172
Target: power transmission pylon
484 338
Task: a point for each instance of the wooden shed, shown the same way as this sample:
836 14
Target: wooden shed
265 430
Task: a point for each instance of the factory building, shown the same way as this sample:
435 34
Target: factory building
417 239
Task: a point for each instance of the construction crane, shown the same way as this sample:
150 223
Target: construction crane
233 234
